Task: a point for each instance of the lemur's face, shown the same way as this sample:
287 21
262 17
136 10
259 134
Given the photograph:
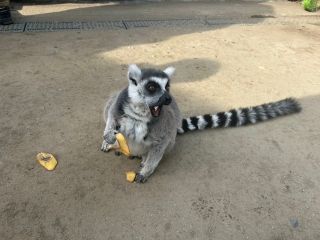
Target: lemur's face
150 87
156 94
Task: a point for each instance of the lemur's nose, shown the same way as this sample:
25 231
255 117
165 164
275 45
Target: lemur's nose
165 99
168 99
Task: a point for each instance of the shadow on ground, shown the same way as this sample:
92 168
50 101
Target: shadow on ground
250 12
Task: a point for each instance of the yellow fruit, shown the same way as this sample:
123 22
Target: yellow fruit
47 160
124 148
131 176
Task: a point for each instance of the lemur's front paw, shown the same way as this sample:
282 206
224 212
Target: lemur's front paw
110 137
140 178
105 147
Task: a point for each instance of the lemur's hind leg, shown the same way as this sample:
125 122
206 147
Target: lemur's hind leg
150 162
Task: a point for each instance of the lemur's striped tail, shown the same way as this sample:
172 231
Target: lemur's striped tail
240 117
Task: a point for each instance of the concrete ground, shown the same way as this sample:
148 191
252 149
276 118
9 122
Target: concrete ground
257 182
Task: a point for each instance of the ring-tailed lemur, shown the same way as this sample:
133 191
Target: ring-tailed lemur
149 117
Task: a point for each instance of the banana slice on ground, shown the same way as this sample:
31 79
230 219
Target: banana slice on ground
130 176
47 160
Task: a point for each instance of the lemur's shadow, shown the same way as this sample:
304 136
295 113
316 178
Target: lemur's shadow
188 75
190 84
188 70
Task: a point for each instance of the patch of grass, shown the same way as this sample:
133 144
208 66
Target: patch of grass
310 5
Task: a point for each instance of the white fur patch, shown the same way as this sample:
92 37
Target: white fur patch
240 117
271 111
169 71
252 115
201 122
180 130
133 129
190 125
141 131
262 113
228 119
161 81
134 72
133 94
142 116
215 120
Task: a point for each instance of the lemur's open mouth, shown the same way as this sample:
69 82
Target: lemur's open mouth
155 111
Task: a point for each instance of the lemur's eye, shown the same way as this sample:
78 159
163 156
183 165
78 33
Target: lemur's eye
151 88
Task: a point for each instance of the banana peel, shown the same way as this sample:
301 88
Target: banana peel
121 145
47 160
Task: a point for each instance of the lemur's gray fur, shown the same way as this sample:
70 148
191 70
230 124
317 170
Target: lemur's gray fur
149 117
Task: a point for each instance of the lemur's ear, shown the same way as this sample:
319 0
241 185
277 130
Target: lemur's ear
134 74
169 71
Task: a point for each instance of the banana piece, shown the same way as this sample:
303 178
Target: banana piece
123 146
47 160
130 176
